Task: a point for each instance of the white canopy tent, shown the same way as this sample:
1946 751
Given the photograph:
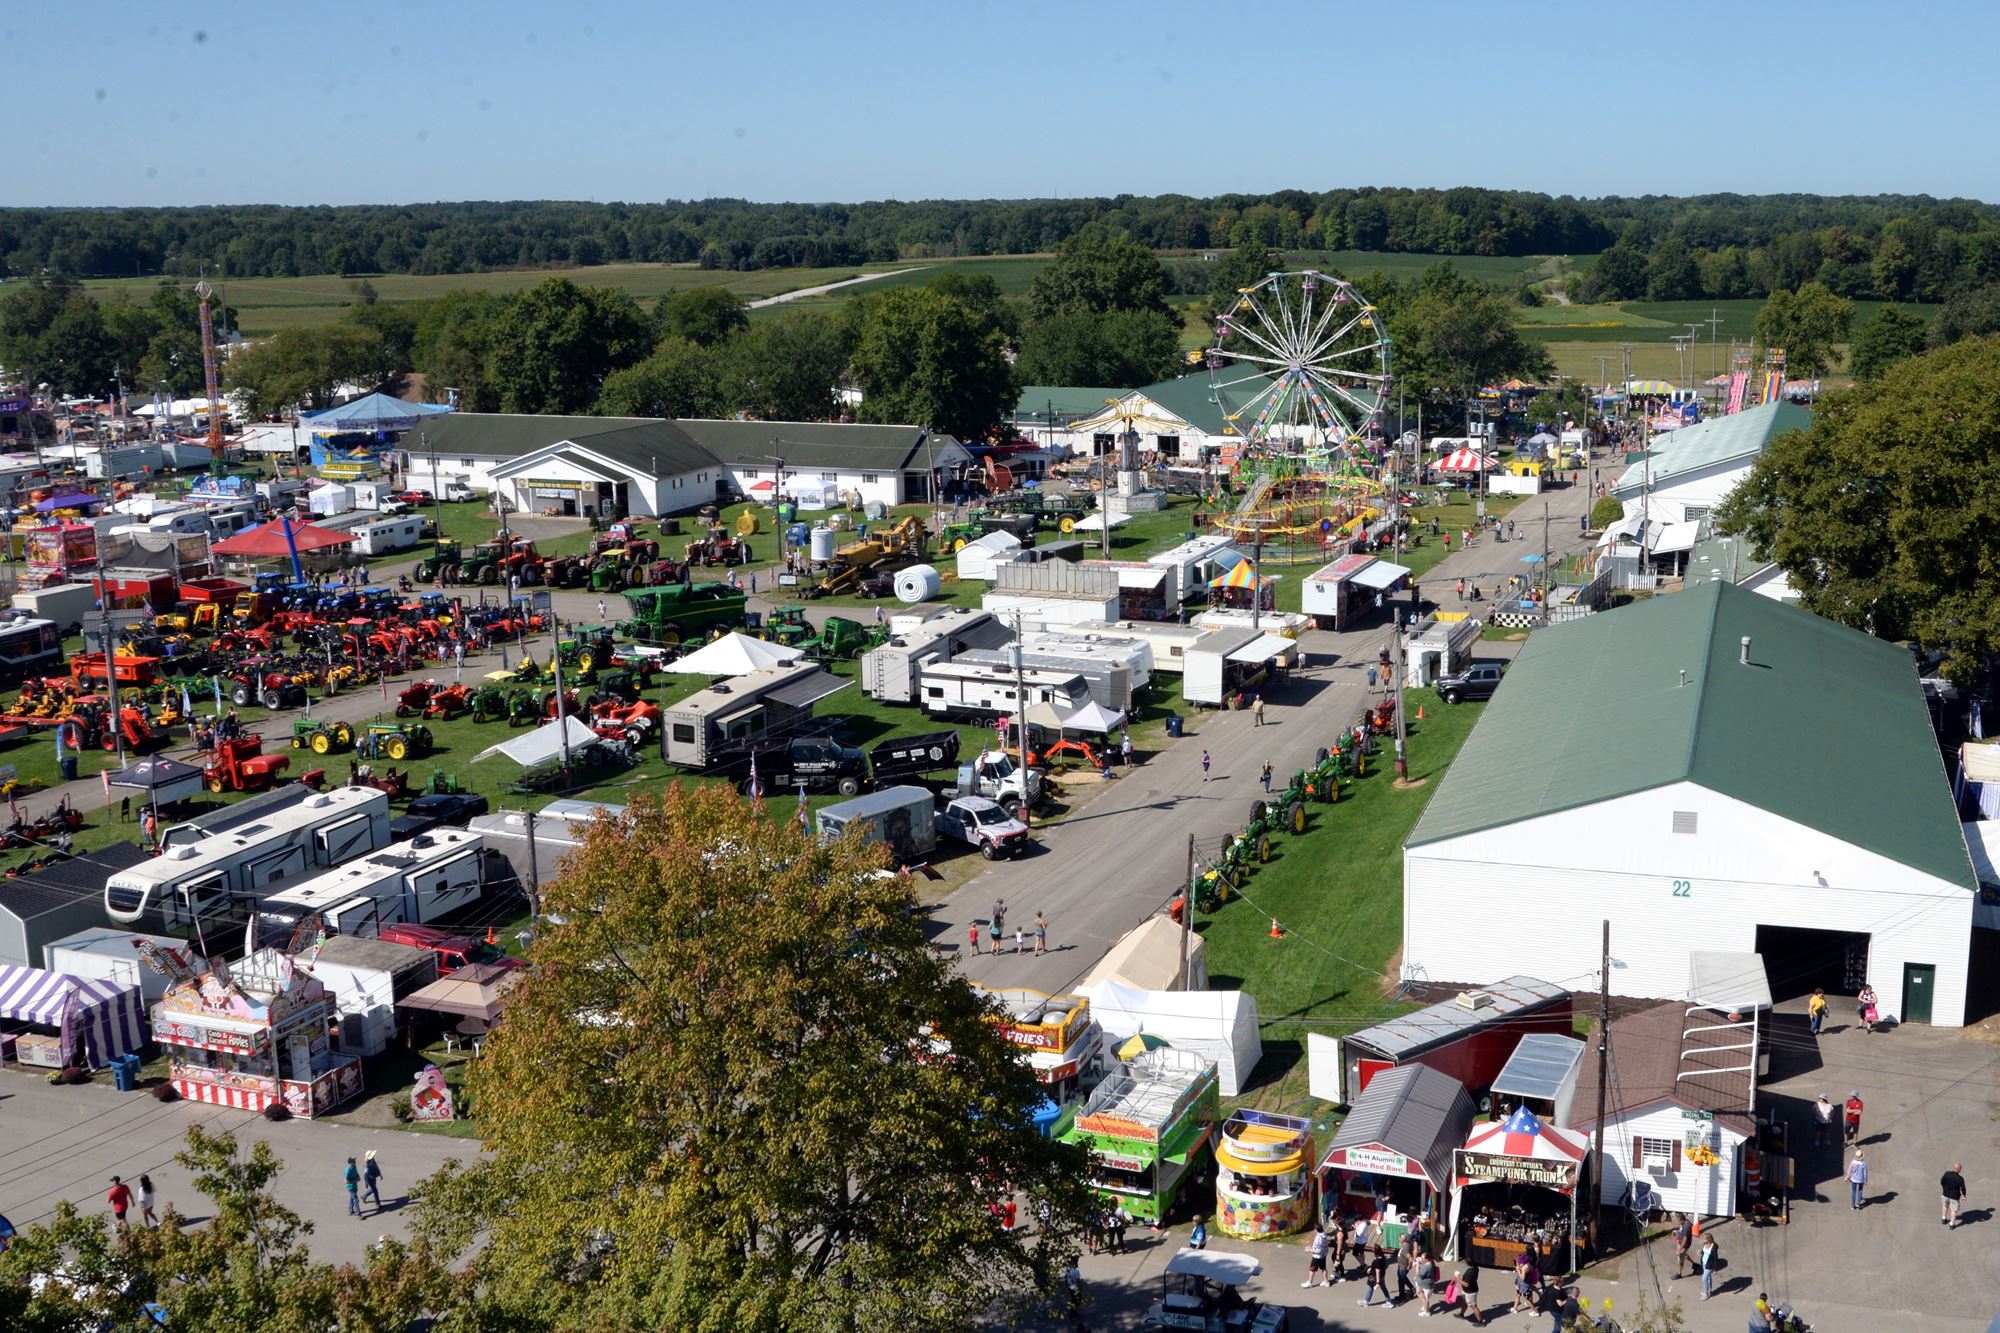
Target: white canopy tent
1218 1025
1095 522
543 743
733 654
1149 956
1094 716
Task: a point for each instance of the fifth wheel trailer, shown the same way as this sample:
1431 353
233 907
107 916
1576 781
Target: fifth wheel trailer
890 672
700 730
963 689
419 881
1109 681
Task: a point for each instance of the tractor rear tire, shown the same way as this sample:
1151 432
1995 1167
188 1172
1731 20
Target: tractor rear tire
1066 524
396 748
957 545
239 695
322 743
1256 811
1319 756
343 734
271 699
1264 848
1295 818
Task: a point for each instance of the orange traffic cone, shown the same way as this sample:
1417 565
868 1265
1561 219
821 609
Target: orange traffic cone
489 934
1420 712
1276 934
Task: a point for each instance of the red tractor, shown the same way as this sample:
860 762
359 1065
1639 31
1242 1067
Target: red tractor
448 702
240 764
618 721
414 701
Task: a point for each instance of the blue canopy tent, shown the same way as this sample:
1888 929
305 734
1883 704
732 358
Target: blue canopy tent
370 414
68 500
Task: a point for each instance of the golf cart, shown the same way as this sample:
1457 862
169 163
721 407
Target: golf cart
1201 1294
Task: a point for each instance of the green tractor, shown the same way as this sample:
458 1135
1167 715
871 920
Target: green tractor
621 685
838 640
587 652
444 554
396 741
788 625
524 708
483 565
322 737
955 536
488 703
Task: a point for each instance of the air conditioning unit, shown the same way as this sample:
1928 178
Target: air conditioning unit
1475 999
1657 1170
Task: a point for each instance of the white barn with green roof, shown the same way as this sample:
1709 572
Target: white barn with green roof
1645 767
1688 472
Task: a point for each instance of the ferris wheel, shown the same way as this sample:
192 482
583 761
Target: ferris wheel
1301 359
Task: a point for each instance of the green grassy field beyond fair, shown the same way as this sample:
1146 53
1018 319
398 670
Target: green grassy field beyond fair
1337 893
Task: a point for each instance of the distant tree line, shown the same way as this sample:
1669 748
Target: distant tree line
1797 234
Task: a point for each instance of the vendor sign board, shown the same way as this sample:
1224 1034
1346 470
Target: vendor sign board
1378 1161
1516 1170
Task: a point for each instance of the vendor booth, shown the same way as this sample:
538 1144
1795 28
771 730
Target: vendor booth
1349 587
1243 587
1391 1160
252 1035
54 1020
1518 1183
1147 1128
1264 1181
1062 1042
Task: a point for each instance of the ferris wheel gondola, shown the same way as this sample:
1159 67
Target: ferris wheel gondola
1301 364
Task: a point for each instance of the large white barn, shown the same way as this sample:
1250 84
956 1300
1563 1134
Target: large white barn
1709 771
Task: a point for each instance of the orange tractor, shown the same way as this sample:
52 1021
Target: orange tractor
240 764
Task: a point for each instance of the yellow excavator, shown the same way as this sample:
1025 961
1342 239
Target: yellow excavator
899 545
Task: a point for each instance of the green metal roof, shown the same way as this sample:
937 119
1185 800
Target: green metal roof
1067 402
1716 440
1827 727
822 445
1718 555
510 434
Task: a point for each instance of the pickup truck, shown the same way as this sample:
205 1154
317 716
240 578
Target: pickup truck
983 824
458 491
1477 681
996 776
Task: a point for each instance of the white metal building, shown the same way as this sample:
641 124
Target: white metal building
1688 472
1708 771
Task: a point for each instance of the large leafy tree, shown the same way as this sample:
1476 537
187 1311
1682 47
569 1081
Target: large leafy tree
77 353
554 344
453 347
1452 335
924 358
704 315
724 1099
1121 349
787 368
1885 511
1095 270
246 1267
680 379
305 365
1244 266
1891 336
1809 323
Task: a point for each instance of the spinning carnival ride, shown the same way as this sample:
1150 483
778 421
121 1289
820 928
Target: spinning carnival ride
1300 366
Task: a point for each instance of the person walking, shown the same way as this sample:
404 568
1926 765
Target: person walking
1204 765
1857 1181
1315 1259
1711 1259
1125 749
878 614
1525 1284
1198 1238
1468 1294
1822 1122
600 609
1816 1011
148 1201
1461 592
371 1179
1951 1193
351 1177
1851 1117
1257 711
1683 1242
119 1196
1376 1267
1404 1291
1041 934
1266 777
1864 1008
1427 1280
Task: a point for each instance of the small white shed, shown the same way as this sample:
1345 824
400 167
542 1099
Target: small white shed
104 953
978 556
365 978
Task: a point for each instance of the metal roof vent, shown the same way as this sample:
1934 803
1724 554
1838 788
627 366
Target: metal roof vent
1745 659
1474 999
1685 821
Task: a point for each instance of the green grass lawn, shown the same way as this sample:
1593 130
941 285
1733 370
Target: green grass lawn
1337 892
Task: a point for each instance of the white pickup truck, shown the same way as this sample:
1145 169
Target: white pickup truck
983 824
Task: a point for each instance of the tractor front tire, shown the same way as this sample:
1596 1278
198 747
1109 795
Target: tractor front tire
298 744
1264 848
217 786
1297 818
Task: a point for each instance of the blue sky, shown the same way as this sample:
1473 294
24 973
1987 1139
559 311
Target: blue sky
367 102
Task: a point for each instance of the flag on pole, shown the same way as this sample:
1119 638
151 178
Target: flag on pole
756 787
216 682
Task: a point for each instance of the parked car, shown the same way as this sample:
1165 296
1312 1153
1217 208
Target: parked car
441 810
1476 682
415 497
453 951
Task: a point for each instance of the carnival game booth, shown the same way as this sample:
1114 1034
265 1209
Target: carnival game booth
1391 1160
1264 1181
252 1035
1062 1042
54 1020
1518 1182
1146 1128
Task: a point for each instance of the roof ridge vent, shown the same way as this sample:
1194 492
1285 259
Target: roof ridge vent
1474 999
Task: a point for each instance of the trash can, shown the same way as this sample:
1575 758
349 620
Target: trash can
125 1073
1174 726
69 768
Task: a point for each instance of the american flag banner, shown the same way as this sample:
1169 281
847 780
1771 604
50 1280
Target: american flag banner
756 787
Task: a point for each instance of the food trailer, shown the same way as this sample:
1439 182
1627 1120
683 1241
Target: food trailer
1062 1042
1390 1162
1264 1181
252 1035
1146 1127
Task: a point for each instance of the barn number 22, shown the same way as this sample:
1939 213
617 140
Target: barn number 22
1683 889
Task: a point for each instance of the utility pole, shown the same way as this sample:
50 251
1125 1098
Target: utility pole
1021 721
534 874
1187 916
1603 1077
555 666
111 678
1714 322
1402 731
437 491
1694 366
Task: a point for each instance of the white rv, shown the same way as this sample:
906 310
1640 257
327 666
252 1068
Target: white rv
403 532
962 689
890 672
223 876
1108 679
416 881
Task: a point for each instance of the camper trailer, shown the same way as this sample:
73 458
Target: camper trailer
962 689
1088 643
221 877
404 532
29 647
417 881
535 852
1168 644
890 672
700 730
1107 678
1193 563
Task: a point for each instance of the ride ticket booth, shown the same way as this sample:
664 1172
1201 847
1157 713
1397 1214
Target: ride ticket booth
1518 1182
1391 1162
1264 1181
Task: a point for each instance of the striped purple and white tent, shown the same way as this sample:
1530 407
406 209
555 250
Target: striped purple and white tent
109 1015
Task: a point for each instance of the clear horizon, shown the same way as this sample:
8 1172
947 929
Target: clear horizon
640 104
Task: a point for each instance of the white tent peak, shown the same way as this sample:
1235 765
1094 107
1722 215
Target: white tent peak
544 742
734 654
